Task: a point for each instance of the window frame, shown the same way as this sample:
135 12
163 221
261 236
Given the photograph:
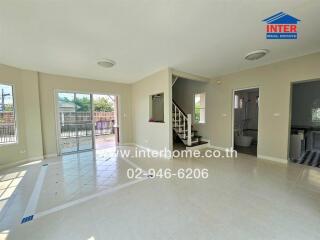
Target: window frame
194 108
14 101
236 101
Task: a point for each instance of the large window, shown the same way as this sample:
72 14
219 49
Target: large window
200 107
7 115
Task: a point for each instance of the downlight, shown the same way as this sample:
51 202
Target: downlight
255 55
106 63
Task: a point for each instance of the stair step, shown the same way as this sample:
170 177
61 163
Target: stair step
182 132
198 143
194 138
181 114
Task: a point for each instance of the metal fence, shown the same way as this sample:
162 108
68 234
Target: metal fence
7 133
104 127
85 129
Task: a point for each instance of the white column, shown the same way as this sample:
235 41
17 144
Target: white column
189 129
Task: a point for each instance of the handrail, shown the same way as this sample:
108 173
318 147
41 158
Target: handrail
177 105
186 127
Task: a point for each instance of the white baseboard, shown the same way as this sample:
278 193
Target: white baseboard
150 150
198 147
274 159
35 159
219 148
146 148
279 160
21 162
50 155
143 147
127 144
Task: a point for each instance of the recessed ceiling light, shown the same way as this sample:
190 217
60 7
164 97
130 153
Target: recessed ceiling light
106 63
255 55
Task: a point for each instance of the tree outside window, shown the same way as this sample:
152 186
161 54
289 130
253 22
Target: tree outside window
199 107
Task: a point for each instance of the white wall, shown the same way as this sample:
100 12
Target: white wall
152 135
274 82
26 98
34 100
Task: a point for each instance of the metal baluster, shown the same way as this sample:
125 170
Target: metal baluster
175 115
184 127
179 120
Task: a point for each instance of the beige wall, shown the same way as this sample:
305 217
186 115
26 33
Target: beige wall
274 81
34 100
50 83
26 97
156 136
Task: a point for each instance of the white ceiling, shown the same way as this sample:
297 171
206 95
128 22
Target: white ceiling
208 37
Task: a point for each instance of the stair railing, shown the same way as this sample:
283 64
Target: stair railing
179 117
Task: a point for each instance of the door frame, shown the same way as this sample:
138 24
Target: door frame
290 110
232 114
57 118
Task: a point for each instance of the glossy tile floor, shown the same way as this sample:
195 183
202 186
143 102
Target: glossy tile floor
88 196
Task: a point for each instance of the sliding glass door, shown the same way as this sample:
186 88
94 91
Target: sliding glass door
75 122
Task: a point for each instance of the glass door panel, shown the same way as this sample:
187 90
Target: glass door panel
84 121
75 117
68 136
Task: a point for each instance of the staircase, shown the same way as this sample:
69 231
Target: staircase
182 126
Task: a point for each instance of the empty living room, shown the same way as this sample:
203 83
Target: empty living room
141 119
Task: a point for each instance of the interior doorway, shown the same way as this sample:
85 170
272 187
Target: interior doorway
304 147
86 121
245 120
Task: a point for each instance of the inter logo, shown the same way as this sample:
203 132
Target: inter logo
281 26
